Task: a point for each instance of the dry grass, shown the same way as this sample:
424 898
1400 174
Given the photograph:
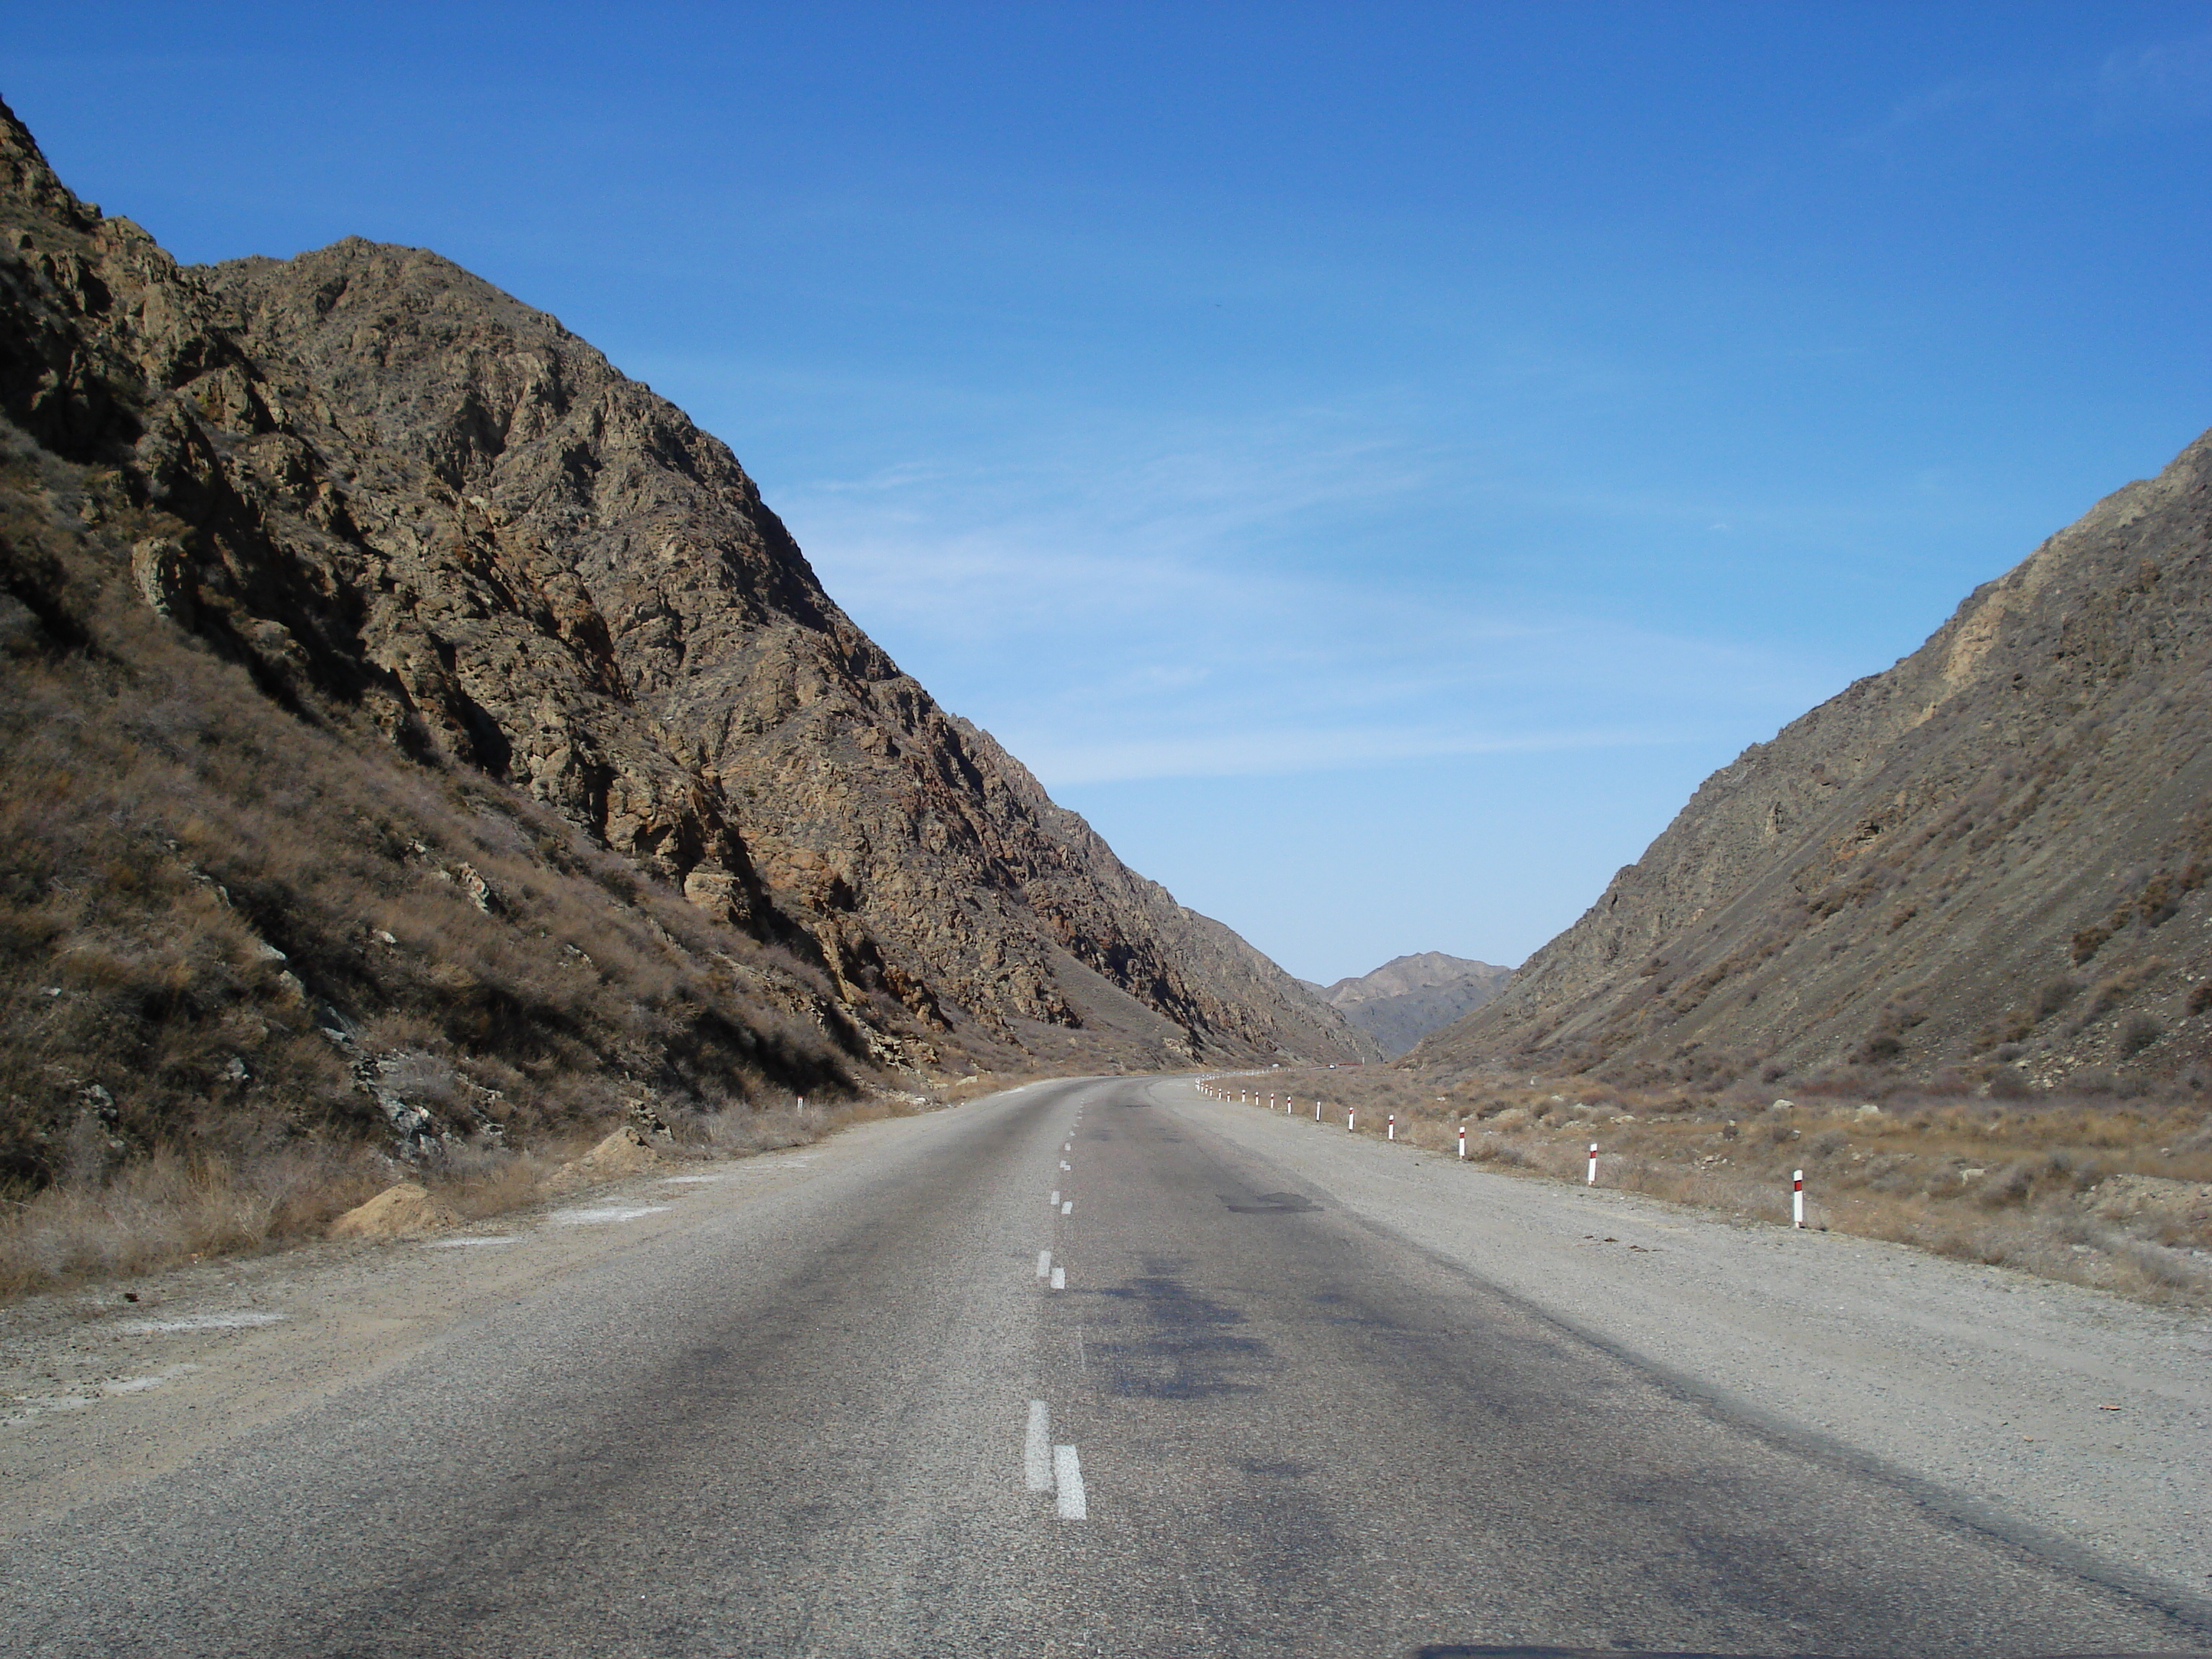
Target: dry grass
145 1215
2027 1183
167 1209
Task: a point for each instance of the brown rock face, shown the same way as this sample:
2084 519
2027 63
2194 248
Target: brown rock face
424 515
1993 857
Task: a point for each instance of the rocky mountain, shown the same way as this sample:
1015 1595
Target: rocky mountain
1408 997
1992 858
355 546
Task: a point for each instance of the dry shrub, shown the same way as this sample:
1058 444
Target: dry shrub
169 1208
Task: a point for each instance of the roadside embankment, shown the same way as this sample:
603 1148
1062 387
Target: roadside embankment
2112 1193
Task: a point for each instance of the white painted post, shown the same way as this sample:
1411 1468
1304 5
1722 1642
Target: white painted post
1350 1119
1462 1140
1797 1199
1392 1131
1593 1170
1317 1111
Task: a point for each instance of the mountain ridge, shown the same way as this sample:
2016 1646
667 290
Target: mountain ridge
1410 996
432 524
1988 861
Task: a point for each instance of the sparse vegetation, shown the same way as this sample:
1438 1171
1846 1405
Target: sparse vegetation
2077 1185
248 962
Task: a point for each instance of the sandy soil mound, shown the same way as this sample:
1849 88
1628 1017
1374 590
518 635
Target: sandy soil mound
625 1152
401 1212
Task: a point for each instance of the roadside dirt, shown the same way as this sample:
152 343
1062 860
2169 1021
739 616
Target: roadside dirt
107 1385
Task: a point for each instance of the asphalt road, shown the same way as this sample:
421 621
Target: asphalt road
858 1418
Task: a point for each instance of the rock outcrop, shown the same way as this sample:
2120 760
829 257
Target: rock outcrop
437 529
1992 858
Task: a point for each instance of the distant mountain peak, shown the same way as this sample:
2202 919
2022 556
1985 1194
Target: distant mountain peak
1410 996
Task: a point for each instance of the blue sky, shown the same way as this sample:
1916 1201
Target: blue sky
1372 460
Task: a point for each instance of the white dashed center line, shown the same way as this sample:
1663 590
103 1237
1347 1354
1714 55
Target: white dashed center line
485 1242
1044 1263
1054 1199
1068 1209
1036 1449
1067 1484
1065 1165
1060 1278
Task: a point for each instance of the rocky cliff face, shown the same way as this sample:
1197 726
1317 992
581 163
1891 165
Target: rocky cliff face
1408 997
426 519
1992 858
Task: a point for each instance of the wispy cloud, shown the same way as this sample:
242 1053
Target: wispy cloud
2167 84
1129 617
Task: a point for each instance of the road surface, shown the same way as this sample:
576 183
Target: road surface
868 1414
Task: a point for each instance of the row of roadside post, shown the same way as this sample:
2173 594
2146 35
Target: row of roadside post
1215 1089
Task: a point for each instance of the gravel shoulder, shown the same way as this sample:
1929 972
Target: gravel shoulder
2067 1418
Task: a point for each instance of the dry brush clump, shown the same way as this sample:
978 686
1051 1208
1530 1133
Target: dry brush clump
2099 1191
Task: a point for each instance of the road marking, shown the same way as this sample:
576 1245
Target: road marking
1067 1484
1044 1264
471 1244
1065 1165
222 1321
689 1180
1054 1199
1068 1209
1036 1449
1067 1145
604 1214
1060 1281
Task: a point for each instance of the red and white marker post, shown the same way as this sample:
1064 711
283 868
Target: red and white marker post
1462 1140
1593 1170
1350 1120
1797 1199
1392 1132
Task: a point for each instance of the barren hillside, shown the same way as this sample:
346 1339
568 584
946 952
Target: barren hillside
1990 859
393 683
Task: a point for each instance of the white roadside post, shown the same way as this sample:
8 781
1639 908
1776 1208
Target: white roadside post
1797 1199
1393 1131
1317 1111
1462 1140
1593 1170
1351 1118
